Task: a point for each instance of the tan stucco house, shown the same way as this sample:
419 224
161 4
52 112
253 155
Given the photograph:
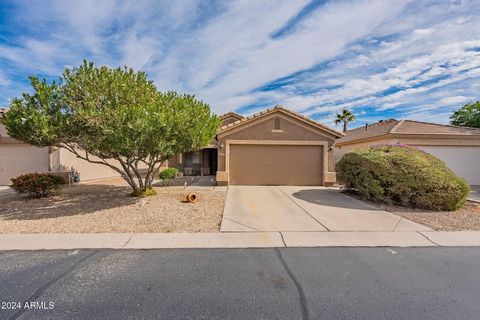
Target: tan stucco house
18 158
272 147
458 147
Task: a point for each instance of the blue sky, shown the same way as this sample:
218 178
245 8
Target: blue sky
383 59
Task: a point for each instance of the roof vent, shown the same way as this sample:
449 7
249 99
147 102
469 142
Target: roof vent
276 123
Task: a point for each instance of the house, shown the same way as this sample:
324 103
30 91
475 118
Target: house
17 158
458 147
273 147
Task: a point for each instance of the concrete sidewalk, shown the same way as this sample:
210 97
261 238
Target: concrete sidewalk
237 240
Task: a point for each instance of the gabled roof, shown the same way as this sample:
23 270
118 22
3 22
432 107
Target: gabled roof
371 130
281 109
419 127
406 127
232 115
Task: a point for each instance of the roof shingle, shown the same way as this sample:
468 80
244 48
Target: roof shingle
418 127
371 130
413 127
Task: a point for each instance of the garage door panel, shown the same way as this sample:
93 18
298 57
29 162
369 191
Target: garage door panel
462 160
16 160
276 164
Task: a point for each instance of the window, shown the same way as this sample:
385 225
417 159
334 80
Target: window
192 158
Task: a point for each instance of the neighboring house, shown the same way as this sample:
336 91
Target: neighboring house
273 147
458 147
18 158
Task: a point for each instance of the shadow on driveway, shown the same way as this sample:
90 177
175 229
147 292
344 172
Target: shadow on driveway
331 198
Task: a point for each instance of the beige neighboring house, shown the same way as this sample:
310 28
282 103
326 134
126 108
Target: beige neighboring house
18 158
273 147
458 147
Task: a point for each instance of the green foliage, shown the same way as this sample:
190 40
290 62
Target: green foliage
168 173
117 115
402 175
37 184
142 193
345 117
467 116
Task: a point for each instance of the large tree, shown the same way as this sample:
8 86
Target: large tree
344 117
112 117
467 116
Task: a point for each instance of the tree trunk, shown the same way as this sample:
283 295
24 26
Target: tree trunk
344 126
152 172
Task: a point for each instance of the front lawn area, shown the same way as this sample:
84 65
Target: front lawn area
108 208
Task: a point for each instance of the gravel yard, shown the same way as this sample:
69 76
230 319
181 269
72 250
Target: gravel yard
466 218
108 208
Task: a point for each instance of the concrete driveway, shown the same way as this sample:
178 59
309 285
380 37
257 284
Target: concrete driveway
295 208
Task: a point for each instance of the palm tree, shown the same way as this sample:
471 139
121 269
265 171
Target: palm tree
345 117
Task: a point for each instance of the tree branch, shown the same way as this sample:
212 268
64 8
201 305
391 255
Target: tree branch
123 174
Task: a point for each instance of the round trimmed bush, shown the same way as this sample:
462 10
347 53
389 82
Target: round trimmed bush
168 173
37 184
402 175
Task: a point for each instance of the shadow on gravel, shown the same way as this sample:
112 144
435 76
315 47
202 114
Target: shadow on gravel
80 199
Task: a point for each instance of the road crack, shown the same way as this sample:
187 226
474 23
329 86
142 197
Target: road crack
40 290
301 294
426 237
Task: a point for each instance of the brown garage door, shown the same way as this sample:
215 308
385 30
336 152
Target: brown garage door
276 165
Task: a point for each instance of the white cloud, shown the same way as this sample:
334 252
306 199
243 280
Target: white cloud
385 56
4 81
456 100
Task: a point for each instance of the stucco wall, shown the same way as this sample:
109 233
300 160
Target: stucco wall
63 160
3 130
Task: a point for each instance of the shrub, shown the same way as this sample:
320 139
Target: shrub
142 193
37 184
169 173
404 176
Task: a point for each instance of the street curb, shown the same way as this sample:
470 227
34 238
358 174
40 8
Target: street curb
237 240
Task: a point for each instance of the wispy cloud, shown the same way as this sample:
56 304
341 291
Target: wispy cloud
383 59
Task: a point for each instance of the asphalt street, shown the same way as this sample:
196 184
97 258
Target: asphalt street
288 283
